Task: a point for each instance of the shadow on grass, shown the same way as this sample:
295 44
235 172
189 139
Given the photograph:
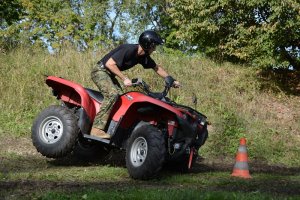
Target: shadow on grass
275 180
254 167
24 163
113 158
30 163
284 79
117 159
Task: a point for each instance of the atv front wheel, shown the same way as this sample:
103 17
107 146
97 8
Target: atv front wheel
55 132
145 153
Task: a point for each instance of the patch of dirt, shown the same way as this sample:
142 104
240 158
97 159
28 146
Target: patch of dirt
281 110
18 145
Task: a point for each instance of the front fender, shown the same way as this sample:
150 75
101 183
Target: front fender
135 106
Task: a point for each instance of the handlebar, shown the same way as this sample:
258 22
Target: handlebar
157 95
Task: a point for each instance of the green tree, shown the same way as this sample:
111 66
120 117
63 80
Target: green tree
152 14
82 23
10 12
260 32
58 22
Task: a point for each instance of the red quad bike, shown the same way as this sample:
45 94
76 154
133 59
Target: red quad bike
152 129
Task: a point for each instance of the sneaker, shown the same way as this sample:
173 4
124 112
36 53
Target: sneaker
99 133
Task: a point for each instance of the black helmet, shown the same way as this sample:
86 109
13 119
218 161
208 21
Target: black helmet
149 39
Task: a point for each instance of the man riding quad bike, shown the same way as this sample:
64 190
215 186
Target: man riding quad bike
152 129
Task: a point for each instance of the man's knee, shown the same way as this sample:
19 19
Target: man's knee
112 97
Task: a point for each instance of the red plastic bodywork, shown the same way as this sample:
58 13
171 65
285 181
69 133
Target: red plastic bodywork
73 93
126 105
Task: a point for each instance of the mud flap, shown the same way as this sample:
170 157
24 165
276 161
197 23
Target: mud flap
191 158
84 122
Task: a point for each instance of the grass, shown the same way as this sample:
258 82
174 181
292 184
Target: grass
230 95
25 174
155 194
204 185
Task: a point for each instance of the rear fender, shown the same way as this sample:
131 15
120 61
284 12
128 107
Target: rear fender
72 93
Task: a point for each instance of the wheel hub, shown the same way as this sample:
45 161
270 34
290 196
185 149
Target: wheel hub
51 130
138 151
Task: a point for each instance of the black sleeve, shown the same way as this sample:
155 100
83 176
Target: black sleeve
148 63
119 57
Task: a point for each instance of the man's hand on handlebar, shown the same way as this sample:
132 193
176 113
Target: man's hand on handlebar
171 82
127 82
176 84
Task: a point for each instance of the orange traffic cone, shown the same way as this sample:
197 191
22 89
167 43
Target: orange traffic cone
241 168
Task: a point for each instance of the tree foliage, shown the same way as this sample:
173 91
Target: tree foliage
152 14
261 32
57 22
10 11
82 23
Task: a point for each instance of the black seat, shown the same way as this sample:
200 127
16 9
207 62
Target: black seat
95 94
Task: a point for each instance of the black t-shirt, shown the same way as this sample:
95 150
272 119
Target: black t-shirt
126 56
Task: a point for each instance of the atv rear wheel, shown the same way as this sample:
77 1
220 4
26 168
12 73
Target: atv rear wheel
55 132
145 153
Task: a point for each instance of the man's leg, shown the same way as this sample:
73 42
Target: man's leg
107 86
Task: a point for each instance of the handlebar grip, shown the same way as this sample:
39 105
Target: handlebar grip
169 81
134 80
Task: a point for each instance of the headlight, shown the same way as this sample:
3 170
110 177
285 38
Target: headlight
203 121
